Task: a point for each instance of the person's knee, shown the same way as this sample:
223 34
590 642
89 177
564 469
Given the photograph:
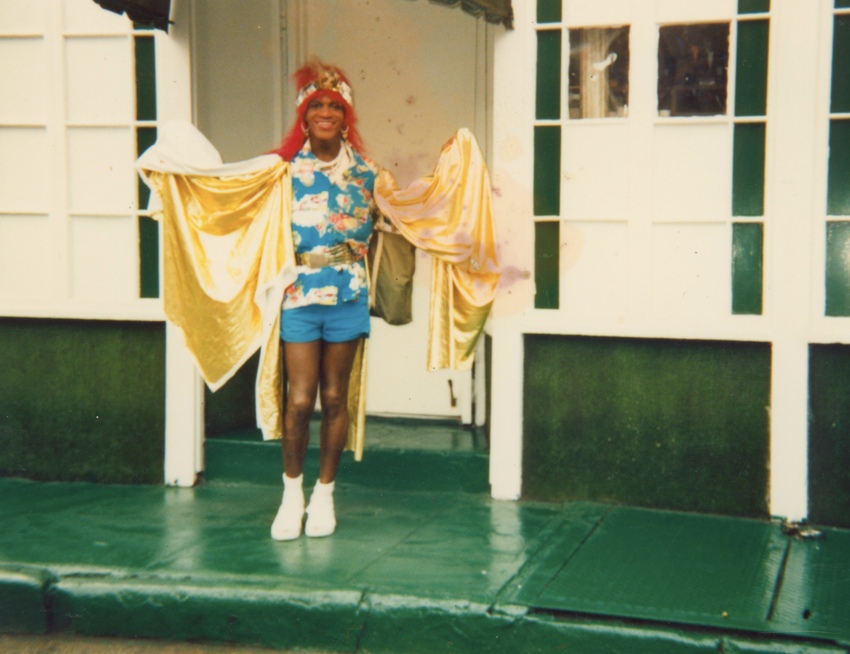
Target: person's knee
334 402
299 406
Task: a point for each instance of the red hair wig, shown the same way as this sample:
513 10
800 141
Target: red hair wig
325 81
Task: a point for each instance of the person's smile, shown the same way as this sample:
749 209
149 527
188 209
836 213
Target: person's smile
325 119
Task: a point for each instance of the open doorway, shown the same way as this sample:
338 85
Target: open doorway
419 72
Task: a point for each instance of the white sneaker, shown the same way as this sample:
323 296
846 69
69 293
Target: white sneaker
321 517
290 515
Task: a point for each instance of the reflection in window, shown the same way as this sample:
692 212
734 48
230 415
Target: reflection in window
599 72
693 62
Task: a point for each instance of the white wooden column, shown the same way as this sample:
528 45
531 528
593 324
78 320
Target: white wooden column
184 391
794 198
512 178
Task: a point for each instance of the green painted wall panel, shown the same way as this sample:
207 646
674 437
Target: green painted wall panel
753 6
548 99
838 269
547 263
548 11
232 408
748 170
488 383
657 423
829 427
82 400
747 248
145 138
148 228
840 98
145 78
751 77
838 183
148 257
547 170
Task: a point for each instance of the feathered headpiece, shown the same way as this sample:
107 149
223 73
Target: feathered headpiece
315 76
317 79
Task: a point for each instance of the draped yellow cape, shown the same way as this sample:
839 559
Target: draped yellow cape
228 256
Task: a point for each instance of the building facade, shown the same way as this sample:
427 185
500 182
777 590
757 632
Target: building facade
671 187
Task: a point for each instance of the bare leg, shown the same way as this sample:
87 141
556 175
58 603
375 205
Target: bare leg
336 362
302 370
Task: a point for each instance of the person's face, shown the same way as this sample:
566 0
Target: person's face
324 118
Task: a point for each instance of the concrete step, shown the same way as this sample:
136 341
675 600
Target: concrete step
399 455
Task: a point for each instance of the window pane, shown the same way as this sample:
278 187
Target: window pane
841 65
547 171
747 247
753 6
599 72
693 63
842 4
547 247
838 185
748 170
751 82
549 74
838 269
548 11
145 79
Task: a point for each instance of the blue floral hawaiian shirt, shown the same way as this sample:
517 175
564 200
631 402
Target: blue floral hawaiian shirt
332 204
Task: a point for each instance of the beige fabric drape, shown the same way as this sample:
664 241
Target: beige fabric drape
449 215
228 256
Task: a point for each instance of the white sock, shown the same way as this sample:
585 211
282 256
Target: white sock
293 482
323 489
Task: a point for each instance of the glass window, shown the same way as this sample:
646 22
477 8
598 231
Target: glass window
599 72
693 62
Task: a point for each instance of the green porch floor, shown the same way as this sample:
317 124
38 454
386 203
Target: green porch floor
411 568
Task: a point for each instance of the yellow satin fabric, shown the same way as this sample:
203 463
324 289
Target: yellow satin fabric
449 216
228 256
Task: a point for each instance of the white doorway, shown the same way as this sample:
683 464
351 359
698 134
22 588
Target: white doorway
419 73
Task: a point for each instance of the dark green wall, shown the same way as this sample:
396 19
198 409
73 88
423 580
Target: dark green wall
829 435
82 400
657 423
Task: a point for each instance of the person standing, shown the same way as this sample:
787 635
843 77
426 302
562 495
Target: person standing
325 311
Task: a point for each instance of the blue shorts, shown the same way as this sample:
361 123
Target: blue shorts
336 323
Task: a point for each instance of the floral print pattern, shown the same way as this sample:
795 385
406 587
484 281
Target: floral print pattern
330 207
